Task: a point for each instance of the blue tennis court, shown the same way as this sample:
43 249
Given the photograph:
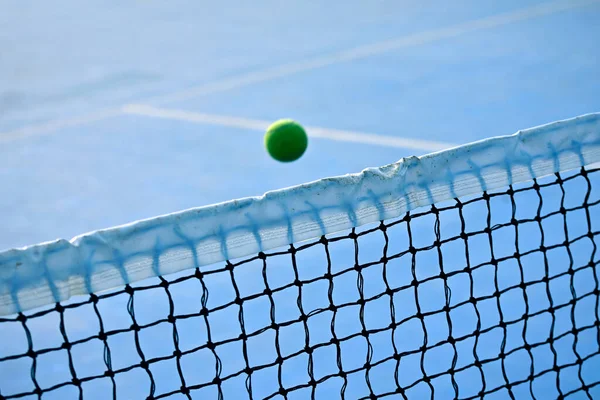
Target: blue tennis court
451 74
115 113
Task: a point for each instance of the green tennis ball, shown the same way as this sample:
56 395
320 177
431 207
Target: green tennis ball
286 140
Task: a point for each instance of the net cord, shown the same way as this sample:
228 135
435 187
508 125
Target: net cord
51 272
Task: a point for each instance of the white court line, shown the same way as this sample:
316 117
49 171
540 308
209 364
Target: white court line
369 50
261 126
54 125
311 64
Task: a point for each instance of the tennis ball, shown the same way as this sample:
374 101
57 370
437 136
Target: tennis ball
286 140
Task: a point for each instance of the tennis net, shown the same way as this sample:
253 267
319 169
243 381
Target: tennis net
489 288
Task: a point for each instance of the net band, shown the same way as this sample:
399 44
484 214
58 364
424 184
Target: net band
493 294
52 272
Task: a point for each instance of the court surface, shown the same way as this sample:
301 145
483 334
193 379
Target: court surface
77 156
114 113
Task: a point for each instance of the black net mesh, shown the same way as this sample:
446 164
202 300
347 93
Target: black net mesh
495 295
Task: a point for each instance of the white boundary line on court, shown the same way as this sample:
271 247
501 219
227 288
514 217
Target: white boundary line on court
369 50
261 126
310 64
54 125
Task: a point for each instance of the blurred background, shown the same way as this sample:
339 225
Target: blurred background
116 111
